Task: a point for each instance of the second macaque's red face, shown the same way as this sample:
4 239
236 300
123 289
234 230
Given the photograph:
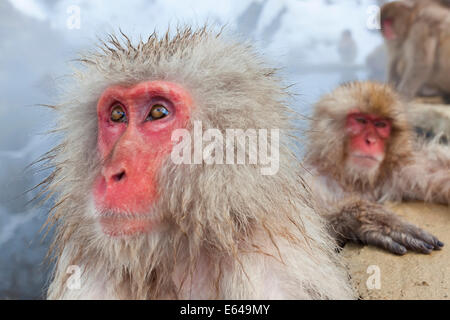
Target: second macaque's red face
135 125
367 138
388 29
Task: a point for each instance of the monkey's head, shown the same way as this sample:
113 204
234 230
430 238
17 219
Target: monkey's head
120 192
395 20
360 132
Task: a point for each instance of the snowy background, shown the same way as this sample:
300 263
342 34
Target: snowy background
40 37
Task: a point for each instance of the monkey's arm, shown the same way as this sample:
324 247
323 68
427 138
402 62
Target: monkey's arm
427 177
371 223
419 50
393 78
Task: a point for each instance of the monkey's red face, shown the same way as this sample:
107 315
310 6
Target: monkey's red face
387 27
135 125
367 136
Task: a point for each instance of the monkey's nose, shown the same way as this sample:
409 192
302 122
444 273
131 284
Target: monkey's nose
371 140
118 176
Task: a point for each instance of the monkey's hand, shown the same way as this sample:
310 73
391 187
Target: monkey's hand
371 223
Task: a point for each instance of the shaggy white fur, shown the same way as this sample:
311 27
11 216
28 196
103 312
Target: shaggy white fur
228 231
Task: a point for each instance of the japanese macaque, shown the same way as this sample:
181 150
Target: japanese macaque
417 35
140 226
347 47
376 63
360 154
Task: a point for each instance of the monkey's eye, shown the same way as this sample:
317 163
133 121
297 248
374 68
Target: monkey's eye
380 124
118 114
361 120
157 112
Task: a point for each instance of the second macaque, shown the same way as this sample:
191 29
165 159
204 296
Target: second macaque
417 35
361 153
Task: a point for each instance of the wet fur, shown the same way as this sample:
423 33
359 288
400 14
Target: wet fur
231 233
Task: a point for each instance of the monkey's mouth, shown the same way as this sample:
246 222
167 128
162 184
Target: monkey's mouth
366 157
117 224
365 160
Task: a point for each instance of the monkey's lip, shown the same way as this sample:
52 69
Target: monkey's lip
366 157
117 214
117 224
365 161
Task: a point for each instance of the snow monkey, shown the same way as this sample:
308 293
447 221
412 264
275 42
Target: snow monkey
137 225
417 35
361 153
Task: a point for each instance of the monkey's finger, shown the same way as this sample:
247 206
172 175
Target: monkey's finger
411 242
386 242
426 237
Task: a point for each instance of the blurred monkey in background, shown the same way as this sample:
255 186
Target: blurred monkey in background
417 35
360 154
347 47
